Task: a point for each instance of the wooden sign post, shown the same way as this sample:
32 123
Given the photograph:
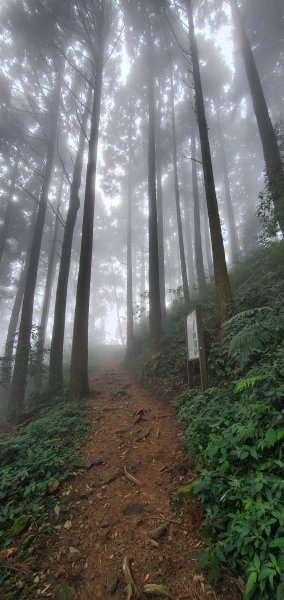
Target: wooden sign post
195 345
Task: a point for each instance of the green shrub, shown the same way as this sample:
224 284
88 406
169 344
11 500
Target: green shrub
30 460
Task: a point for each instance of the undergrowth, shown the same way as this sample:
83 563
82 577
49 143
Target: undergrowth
235 430
31 459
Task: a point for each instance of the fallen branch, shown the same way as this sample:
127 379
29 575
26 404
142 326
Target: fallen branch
157 533
178 464
131 478
152 589
130 583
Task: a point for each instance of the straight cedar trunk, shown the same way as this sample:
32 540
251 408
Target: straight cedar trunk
222 283
117 309
9 208
272 158
57 340
14 319
233 236
130 342
207 241
160 216
79 384
51 268
155 314
143 276
20 373
177 199
199 265
189 246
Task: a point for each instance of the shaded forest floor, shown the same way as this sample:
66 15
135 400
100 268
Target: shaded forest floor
107 517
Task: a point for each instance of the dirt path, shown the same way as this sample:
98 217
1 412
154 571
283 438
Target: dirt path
108 517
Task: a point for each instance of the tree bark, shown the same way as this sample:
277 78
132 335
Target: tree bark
19 379
57 340
233 236
130 342
51 268
79 384
177 199
9 208
13 323
160 216
189 246
199 265
272 157
222 283
155 315
207 240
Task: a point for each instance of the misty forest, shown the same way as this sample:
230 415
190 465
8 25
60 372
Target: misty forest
141 299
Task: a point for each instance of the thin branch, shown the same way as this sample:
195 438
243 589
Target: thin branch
190 158
28 192
115 45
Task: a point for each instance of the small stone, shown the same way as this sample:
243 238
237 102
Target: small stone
113 584
65 592
36 579
133 509
88 464
74 555
68 525
108 476
104 524
54 486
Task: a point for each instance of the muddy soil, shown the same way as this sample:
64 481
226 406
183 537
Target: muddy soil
114 507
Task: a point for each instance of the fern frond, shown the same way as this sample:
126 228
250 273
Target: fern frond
243 384
251 312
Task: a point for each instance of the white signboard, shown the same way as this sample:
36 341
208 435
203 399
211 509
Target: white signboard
192 337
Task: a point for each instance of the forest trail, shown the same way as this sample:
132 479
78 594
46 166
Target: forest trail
108 518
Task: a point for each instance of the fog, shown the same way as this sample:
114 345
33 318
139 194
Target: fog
103 163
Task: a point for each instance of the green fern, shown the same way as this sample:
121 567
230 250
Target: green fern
248 382
251 331
236 319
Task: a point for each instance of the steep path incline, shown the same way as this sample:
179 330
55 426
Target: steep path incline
109 518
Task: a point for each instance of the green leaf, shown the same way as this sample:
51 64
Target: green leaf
250 584
278 543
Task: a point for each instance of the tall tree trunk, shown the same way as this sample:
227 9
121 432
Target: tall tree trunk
130 325
207 240
57 341
189 246
117 309
10 207
272 158
160 216
79 384
143 276
23 346
177 199
222 283
13 323
199 265
51 268
233 236
155 315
